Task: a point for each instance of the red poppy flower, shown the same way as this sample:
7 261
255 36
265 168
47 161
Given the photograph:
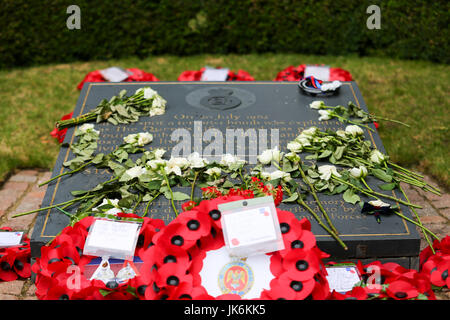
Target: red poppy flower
61 134
357 293
439 275
301 264
401 290
195 224
300 288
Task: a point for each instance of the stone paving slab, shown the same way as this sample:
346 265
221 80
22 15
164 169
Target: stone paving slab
21 193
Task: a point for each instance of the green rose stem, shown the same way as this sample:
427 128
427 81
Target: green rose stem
316 197
365 183
53 206
242 178
66 173
392 120
74 121
149 202
301 202
374 194
196 173
138 202
418 220
343 119
406 176
170 190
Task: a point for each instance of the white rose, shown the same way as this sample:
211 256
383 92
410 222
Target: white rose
159 153
159 102
136 171
156 112
229 160
176 164
149 93
341 133
144 138
326 171
156 164
278 174
354 130
330 85
379 203
276 155
294 146
309 132
317 104
265 157
325 115
195 161
87 127
292 156
131 138
377 157
360 172
214 171
303 140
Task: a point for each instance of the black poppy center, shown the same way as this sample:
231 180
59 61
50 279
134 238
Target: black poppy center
297 244
401 294
301 265
296 285
172 281
141 289
177 240
193 225
170 259
64 297
284 227
5 266
112 284
444 275
18 265
215 214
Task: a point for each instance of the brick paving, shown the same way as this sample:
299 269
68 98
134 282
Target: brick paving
21 193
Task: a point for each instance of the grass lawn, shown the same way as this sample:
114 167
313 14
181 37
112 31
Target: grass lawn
415 92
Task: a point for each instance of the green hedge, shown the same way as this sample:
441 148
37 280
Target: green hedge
35 32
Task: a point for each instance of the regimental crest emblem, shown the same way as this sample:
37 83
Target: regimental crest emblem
236 277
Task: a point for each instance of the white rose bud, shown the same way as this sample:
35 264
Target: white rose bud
149 93
354 130
317 104
265 157
215 171
325 115
136 171
144 138
379 203
358 173
294 146
326 171
377 157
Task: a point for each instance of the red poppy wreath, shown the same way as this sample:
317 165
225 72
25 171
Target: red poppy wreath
60 271
176 261
15 261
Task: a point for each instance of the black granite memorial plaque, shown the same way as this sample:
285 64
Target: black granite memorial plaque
261 112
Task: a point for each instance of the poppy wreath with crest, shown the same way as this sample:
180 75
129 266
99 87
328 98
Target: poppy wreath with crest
60 269
176 259
15 261
388 281
196 75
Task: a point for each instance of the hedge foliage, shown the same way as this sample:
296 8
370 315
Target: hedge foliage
35 32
